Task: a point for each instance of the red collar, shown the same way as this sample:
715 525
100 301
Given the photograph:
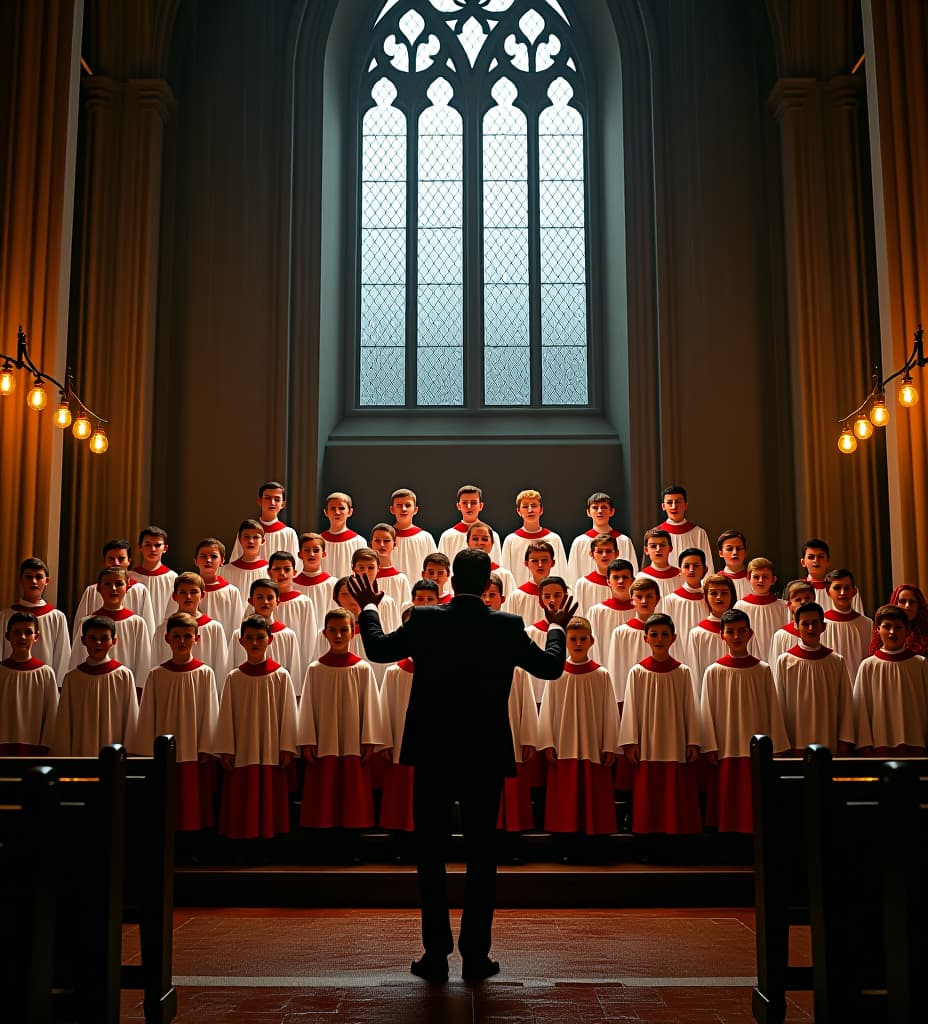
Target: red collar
660 666
884 655
597 578
410 531
120 616
203 619
530 588
690 595
338 538
618 606
446 599
405 665
211 588
817 655
288 595
790 628
388 573
38 610
29 665
264 669
760 599
711 627
573 669
835 616
635 623
541 625
742 575
614 534
188 666
274 527
522 532
661 574
258 563
816 584
160 571
311 581
101 669
729 662
678 529
345 660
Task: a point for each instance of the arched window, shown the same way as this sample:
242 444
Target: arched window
473 227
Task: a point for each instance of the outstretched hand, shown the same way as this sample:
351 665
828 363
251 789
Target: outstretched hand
363 590
561 616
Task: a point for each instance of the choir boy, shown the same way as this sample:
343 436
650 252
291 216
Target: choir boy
530 509
437 568
816 560
732 547
98 704
180 698
134 638
221 600
578 730
480 536
798 593
591 589
117 555
339 729
657 549
340 541
313 580
814 688
341 598
704 645
849 632
470 505
52 642
263 598
256 739
600 509
686 605
766 611
152 572
738 700
392 582
617 608
660 736
684 534
272 500
552 592
212 642
252 565
28 692
294 609
891 693
412 542
539 561
627 646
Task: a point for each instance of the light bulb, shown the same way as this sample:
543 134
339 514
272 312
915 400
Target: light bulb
62 418
863 428
879 413
82 428
7 383
847 443
37 398
99 442
908 392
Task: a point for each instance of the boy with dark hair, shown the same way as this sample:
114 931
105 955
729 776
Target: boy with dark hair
392 582
658 549
313 581
252 565
263 599
294 610
152 572
412 542
52 643
627 645
732 546
797 593
600 508
539 561
116 555
849 632
470 505
683 533
816 560
617 608
591 589
211 641
28 692
704 645
221 600
768 613
686 605
272 500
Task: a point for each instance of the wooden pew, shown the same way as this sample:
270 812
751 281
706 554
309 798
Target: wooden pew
147 835
866 834
28 824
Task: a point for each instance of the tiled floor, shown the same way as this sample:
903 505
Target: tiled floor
577 967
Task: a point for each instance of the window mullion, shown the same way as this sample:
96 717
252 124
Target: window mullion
534 256
412 255
473 254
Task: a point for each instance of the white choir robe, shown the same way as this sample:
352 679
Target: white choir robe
626 648
284 647
580 561
515 810
296 612
97 706
785 637
390 621
507 580
28 707
224 602
242 574
138 598
318 589
181 700
603 618
538 633
160 584
395 585
686 607
579 721
667 580
339 547
523 601
454 539
822 598
660 716
849 633
590 591
277 537
133 642
513 554
704 645
891 703
396 799
814 690
256 723
688 535
767 615
741 580
412 547
53 646
212 650
739 699
339 713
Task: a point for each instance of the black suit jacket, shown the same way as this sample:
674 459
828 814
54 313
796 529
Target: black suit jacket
464 655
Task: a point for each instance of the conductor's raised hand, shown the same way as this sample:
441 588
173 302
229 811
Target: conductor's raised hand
562 615
363 590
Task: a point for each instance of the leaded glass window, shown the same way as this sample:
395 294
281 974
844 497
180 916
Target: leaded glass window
474 284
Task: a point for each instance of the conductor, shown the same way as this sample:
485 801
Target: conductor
458 738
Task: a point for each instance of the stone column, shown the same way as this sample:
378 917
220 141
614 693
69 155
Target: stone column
896 42
38 140
117 319
829 348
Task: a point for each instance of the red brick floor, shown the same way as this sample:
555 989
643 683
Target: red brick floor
275 966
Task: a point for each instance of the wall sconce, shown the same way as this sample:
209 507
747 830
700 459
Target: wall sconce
37 397
873 411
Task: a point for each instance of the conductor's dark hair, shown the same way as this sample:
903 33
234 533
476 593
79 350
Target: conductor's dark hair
470 571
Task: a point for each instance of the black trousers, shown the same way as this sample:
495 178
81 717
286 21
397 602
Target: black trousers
435 790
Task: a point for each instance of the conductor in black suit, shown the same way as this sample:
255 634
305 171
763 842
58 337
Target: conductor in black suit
458 738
